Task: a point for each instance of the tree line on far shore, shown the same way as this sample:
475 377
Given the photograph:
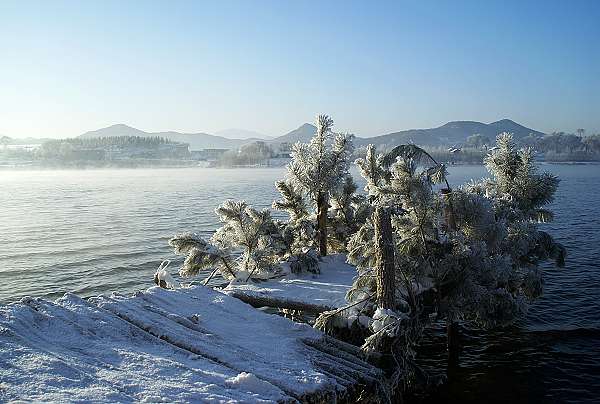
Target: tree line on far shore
557 146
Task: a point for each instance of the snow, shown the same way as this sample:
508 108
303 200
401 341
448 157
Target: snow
163 275
250 383
189 344
325 289
386 319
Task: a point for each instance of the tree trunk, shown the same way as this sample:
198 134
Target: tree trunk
322 207
448 211
384 257
452 331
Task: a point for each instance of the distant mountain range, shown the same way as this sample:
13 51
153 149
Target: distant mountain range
452 133
197 141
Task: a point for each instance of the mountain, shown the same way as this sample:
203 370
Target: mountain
235 133
302 134
197 141
114 130
452 133
520 131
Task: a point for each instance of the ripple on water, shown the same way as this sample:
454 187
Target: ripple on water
96 231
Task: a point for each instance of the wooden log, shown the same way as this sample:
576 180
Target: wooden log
266 301
205 346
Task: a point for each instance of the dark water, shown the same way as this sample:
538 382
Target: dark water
102 230
553 355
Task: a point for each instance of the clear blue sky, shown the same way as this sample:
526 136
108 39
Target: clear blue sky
376 67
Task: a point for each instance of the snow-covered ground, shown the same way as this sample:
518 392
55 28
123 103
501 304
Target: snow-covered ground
189 344
327 289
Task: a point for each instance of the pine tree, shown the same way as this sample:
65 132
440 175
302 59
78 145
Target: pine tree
319 169
348 211
469 254
201 255
298 233
247 245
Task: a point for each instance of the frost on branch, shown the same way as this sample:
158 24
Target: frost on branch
320 170
477 246
298 233
251 244
246 246
292 201
348 210
469 254
253 232
201 256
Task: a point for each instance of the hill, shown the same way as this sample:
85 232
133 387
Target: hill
452 133
197 141
302 134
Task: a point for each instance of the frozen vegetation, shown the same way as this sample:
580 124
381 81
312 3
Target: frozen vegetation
423 252
378 268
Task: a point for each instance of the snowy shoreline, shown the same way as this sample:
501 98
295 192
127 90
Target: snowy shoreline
189 344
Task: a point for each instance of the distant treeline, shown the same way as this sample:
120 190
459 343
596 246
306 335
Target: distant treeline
112 148
557 146
560 145
103 142
251 154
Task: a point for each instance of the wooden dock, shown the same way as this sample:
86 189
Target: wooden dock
189 344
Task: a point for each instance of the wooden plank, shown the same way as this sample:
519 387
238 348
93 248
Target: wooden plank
190 344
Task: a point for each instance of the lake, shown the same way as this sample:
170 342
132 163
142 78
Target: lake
96 231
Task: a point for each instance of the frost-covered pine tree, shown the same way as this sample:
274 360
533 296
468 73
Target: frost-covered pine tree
201 255
348 211
319 169
298 233
469 254
247 245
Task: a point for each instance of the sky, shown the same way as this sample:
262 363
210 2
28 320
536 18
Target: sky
67 67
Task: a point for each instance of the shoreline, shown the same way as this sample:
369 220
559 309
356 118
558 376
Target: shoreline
69 167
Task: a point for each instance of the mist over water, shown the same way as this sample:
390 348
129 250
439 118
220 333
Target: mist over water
98 231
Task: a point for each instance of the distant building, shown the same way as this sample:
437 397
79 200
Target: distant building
208 154
175 149
26 147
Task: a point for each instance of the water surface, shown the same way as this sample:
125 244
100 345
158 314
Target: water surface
96 231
